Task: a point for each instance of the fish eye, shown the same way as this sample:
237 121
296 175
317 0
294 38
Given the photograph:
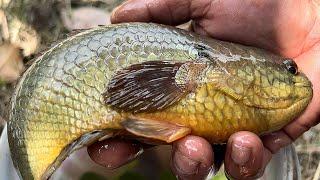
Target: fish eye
291 66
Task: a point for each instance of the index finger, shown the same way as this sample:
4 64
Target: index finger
160 11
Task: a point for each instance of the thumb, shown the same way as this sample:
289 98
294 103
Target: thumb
160 11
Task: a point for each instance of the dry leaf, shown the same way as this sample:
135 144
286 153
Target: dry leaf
84 18
11 65
2 121
24 36
4 26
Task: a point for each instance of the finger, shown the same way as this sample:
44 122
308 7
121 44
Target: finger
113 153
246 157
160 11
192 158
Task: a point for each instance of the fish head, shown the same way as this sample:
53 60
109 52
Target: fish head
286 94
274 88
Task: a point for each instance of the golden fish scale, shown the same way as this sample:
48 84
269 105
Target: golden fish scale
59 98
215 119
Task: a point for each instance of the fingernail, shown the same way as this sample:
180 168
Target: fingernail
185 165
240 154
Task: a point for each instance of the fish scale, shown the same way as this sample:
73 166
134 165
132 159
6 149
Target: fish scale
59 104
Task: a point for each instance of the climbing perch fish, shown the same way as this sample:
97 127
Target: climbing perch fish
150 81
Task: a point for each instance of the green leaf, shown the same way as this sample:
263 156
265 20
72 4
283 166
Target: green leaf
219 176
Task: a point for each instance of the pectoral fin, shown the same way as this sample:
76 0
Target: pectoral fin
151 86
159 130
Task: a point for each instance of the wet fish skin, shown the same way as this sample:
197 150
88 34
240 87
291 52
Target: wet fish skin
59 99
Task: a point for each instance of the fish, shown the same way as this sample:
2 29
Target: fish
151 82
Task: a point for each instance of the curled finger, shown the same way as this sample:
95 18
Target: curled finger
192 158
113 153
246 157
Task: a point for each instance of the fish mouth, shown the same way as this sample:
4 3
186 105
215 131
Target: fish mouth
289 114
304 84
298 102
302 80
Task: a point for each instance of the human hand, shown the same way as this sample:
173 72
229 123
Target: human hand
289 28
